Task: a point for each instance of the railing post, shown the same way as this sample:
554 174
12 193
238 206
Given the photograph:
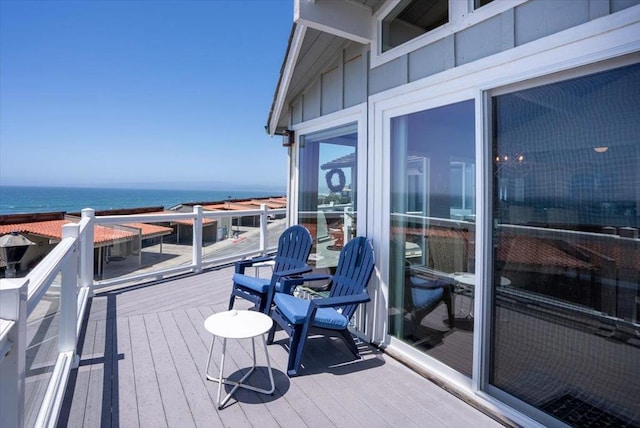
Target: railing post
69 296
13 307
263 229
86 249
347 227
197 239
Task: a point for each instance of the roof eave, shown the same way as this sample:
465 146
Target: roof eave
286 72
345 19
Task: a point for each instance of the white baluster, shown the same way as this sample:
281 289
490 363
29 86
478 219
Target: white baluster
197 239
69 296
13 307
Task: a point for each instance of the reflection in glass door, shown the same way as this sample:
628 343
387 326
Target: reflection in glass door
327 191
432 233
566 222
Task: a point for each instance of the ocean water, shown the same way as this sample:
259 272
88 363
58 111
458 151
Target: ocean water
19 199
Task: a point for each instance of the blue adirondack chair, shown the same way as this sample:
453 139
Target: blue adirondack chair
330 315
294 246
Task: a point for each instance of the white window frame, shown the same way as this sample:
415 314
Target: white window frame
507 89
382 132
357 114
461 16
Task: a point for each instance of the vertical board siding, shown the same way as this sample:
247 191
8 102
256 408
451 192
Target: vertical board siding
331 83
389 75
311 102
540 18
618 5
598 8
331 91
431 59
296 111
479 41
354 82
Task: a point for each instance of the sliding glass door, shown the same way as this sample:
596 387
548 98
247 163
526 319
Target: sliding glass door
566 262
432 232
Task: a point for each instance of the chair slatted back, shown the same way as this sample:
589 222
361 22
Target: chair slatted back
353 272
294 246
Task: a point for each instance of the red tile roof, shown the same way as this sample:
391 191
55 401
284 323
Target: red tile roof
188 222
249 204
150 230
102 235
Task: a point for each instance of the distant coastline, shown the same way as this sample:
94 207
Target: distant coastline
38 199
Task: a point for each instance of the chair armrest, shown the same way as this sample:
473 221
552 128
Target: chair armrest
328 302
316 277
293 274
290 282
241 265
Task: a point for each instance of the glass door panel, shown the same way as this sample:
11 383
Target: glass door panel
566 288
432 233
327 191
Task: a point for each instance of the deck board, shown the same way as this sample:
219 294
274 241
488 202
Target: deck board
97 382
172 393
200 403
143 355
150 408
125 401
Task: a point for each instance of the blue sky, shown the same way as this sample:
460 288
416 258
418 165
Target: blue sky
141 93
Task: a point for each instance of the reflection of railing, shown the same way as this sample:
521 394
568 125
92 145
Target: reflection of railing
331 221
73 260
435 221
444 244
610 264
580 317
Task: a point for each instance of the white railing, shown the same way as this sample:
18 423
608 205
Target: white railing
18 299
72 260
198 260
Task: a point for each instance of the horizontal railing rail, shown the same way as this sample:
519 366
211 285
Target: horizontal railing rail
71 262
198 260
43 275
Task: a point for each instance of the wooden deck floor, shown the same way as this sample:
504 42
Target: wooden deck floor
144 349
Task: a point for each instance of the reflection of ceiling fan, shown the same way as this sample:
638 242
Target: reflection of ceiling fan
515 164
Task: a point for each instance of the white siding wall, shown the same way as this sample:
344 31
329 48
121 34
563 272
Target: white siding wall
331 84
487 38
536 19
346 80
340 85
432 59
355 82
311 102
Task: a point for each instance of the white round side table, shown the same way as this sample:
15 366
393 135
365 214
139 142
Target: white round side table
237 324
